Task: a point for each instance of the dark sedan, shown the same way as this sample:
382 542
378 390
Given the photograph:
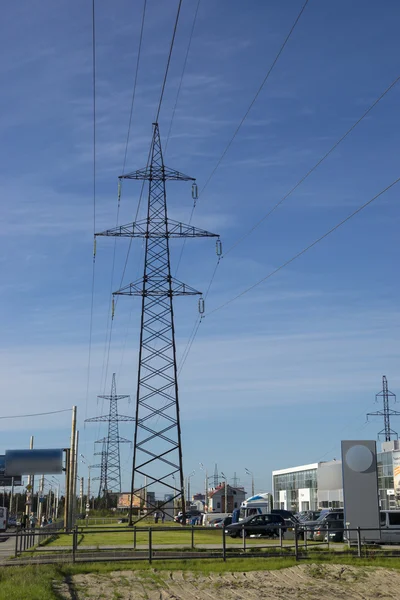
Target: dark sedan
259 525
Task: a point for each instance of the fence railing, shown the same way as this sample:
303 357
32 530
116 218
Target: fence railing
53 544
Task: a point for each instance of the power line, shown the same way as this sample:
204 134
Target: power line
142 188
314 243
339 141
255 97
335 145
94 199
242 121
52 412
169 60
106 356
182 75
134 85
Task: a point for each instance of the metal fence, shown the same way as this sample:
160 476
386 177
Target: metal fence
52 544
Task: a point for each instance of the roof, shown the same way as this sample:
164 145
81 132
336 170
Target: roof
296 469
221 488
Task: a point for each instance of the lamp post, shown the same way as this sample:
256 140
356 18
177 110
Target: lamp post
226 491
188 484
252 480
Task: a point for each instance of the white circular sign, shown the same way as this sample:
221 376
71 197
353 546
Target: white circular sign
359 458
88 505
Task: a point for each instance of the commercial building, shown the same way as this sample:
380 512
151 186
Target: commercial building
319 485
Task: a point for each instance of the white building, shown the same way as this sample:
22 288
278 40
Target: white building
320 485
308 487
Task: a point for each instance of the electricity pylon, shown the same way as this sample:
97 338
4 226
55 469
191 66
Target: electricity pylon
110 474
387 412
157 454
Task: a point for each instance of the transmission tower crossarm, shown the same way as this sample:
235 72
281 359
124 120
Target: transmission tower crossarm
157 173
156 287
161 228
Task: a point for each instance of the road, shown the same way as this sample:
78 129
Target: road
7 546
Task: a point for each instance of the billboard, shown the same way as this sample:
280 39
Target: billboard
396 475
34 462
7 481
124 501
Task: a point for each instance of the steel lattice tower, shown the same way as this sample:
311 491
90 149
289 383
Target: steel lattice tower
387 412
157 455
110 477
103 487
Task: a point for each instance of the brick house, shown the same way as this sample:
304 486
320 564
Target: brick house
216 498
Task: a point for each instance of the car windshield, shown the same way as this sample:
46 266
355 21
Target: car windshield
323 515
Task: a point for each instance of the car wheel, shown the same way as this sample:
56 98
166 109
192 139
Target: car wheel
233 535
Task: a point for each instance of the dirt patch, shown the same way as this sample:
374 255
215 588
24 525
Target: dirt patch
305 582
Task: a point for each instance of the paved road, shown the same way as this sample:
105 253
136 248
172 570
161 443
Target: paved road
7 546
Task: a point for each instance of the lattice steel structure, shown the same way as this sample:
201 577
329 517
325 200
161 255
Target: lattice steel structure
157 455
387 412
102 478
110 475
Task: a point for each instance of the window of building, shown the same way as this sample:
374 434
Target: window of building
218 504
235 505
394 518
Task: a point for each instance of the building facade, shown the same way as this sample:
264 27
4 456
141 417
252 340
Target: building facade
234 498
319 485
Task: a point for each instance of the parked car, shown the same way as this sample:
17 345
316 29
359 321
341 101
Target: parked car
308 515
223 522
327 519
286 514
12 521
268 525
337 535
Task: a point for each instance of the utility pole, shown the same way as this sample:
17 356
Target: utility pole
112 475
40 498
248 472
81 496
387 412
157 452
30 486
226 491
67 484
71 483
12 498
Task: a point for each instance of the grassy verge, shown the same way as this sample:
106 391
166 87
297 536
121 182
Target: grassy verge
37 582
177 538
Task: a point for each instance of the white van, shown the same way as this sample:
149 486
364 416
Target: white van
3 518
209 517
390 527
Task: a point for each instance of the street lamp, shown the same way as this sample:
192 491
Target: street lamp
88 481
252 480
188 484
226 491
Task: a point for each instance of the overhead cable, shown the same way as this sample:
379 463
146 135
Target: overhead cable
168 61
254 99
94 200
317 164
306 249
41 414
182 75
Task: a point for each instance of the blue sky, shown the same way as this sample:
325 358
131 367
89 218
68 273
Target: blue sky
279 376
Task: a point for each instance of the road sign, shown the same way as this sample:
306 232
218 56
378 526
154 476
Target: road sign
29 487
88 506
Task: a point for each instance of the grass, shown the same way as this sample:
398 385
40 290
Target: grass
177 538
37 582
